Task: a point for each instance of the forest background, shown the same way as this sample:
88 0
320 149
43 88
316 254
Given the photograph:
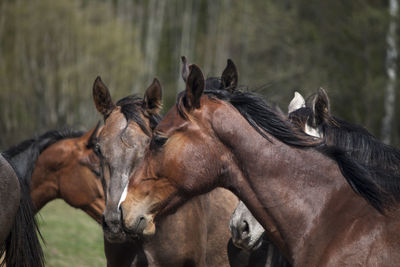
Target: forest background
51 52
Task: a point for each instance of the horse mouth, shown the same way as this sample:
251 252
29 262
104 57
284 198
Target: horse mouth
111 237
248 244
255 245
113 233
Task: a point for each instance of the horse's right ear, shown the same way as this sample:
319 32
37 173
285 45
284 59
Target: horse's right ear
102 98
229 77
194 87
296 103
320 107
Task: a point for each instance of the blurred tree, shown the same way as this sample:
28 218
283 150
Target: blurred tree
51 51
391 70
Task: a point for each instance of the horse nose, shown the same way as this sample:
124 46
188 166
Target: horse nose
243 228
111 222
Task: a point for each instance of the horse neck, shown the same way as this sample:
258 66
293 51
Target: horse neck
282 186
45 179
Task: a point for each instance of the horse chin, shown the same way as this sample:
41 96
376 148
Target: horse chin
256 244
150 229
248 244
119 237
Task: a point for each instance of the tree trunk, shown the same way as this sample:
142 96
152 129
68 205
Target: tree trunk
391 70
153 38
188 35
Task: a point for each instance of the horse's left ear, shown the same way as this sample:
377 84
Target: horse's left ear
321 107
102 98
152 101
194 87
230 76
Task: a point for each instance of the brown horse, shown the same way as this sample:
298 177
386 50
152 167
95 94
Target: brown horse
69 169
318 205
57 164
196 235
315 118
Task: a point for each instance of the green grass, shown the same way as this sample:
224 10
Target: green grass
72 238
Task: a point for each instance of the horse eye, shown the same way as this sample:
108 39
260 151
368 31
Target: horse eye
158 141
97 149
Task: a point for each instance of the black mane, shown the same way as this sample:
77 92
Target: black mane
262 117
22 157
381 159
371 184
132 107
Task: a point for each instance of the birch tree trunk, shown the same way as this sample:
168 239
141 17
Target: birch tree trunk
391 70
188 35
213 11
153 37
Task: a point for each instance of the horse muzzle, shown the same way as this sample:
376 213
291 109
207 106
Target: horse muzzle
139 225
112 229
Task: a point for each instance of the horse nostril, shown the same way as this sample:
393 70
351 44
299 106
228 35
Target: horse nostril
141 219
244 228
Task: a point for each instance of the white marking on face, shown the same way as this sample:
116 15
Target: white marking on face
123 196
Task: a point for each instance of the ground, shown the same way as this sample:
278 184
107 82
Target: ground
71 237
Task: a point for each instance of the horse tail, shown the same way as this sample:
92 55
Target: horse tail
22 247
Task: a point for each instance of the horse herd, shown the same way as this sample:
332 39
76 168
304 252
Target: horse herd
314 190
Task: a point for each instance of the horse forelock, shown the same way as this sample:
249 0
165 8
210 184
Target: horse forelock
132 109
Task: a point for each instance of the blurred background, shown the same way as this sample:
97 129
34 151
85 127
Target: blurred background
51 52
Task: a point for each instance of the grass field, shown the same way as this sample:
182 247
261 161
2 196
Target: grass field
72 238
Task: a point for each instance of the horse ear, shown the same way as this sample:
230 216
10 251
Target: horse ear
296 103
152 102
194 87
185 68
230 76
321 107
102 98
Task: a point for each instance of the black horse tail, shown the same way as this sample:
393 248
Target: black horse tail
22 247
